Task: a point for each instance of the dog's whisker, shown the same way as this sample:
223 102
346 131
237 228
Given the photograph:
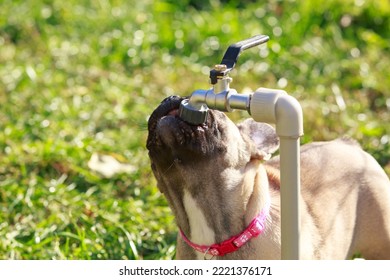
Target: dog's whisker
169 167
175 162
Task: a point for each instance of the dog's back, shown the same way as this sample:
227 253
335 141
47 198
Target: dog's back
347 199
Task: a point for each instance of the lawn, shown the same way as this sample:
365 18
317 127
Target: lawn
78 80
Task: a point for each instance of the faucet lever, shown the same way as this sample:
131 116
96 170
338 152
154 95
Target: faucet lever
194 110
232 54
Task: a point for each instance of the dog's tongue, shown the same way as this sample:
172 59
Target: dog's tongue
174 112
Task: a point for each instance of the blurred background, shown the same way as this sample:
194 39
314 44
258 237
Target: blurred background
79 79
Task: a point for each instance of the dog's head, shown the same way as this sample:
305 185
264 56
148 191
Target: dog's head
184 154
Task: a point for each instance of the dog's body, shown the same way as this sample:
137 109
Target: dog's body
216 183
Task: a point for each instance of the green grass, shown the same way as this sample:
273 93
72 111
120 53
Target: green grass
78 78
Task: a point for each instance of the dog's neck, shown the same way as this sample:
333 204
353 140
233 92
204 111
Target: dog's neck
218 214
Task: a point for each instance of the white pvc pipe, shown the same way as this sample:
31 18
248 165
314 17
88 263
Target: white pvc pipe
275 106
290 189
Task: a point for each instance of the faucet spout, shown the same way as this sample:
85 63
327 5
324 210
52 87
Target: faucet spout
194 110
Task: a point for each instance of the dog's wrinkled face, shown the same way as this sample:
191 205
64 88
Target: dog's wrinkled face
172 139
176 146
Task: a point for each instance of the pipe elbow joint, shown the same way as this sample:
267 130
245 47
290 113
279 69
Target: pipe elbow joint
289 117
277 107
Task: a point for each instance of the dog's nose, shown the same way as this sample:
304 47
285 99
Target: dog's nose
171 98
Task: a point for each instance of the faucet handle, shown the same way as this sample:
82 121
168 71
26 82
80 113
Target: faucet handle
232 54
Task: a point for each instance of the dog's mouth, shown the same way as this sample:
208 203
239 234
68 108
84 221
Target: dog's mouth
171 135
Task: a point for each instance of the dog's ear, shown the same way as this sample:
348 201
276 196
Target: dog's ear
263 136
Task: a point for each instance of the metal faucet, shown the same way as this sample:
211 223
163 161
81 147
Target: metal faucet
220 96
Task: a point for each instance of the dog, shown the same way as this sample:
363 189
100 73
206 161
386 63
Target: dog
225 194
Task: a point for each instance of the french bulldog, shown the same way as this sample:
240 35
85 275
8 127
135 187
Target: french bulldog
224 190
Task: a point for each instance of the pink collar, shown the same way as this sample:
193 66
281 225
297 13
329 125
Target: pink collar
254 229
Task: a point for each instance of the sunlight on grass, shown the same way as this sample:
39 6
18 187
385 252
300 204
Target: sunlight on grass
80 78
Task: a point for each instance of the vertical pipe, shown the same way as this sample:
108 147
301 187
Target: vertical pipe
275 106
290 190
